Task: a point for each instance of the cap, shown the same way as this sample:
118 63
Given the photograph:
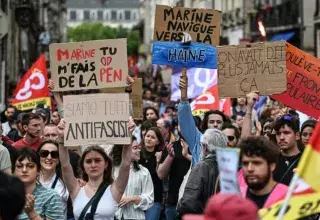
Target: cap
41 112
226 207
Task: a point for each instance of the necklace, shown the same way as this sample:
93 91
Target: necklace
288 159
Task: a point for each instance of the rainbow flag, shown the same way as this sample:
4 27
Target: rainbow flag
308 167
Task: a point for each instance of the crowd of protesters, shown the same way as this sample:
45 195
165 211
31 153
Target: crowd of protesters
168 172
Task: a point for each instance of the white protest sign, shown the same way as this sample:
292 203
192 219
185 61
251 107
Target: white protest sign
228 159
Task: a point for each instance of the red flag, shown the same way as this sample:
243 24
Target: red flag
32 88
209 100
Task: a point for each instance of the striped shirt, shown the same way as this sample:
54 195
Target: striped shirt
139 184
47 204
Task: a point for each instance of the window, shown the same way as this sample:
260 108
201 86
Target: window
127 15
120 16
86 15
100 15
113 15
73 15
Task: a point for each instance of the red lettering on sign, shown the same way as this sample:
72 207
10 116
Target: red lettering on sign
61 53
110 75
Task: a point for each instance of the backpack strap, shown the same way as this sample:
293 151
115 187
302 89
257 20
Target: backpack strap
96 197
54 182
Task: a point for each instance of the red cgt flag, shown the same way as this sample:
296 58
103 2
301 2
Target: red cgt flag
32 88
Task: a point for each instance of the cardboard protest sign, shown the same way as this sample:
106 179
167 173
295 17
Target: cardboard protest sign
96 119
183 55
257 66
89 64
303 82
135 96
203 25
228 159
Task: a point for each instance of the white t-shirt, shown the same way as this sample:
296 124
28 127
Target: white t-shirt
106 208
61 190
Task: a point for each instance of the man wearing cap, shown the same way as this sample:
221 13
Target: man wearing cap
288 136
17 133
259 157
203 179
227 207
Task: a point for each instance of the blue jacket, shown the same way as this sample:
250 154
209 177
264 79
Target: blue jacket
189 131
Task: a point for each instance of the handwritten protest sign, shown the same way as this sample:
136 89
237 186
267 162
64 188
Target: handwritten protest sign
89 65
203 25
303 82
96 119
228 159
257 66
135 96
178 54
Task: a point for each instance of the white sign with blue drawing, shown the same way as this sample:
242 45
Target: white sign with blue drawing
186 55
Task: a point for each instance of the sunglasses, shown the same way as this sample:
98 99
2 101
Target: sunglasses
285 117
230 138
45 153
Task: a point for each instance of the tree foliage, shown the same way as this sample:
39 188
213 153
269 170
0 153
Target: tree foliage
96 31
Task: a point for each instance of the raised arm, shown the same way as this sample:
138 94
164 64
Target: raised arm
252 98
164 168
187 125
57 97
120 184
67 171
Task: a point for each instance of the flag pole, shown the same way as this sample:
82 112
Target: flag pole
291 189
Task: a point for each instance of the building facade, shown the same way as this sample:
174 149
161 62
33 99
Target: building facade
32 26
113 13
290 20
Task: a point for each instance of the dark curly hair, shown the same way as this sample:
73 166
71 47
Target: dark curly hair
260 147
204 123
148 108
107 176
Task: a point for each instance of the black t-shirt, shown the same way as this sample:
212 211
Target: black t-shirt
149 161
284 170
179 168
258 200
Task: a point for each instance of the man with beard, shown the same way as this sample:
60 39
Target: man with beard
259 159
31 123
11 116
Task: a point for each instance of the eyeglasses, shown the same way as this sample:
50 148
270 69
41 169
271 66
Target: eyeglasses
230 138
45 153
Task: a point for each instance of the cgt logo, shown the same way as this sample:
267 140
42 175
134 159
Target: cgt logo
36 81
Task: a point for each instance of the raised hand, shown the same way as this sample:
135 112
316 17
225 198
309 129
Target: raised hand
131 125
183 85
252 98
29 206
170 149
61 127
129 81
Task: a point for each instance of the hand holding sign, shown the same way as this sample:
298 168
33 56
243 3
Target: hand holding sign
61 127
131 125
183 85
252 98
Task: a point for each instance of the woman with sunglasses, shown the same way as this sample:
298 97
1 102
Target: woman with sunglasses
97 168
51 176
41 203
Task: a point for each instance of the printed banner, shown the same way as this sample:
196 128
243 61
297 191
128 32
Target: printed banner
203 25
32 88
209 100
199 80
299 206
135 96
257 66
182 55
89 64
303 82
228 159
96 119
